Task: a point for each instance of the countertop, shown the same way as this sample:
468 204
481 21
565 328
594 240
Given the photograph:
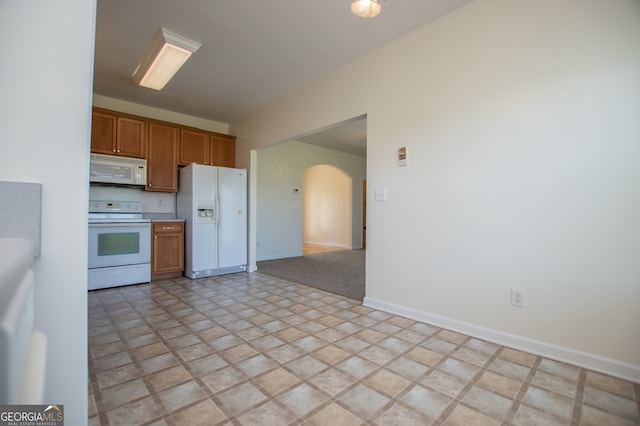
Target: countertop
161 217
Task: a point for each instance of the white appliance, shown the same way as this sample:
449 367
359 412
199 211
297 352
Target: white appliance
117 171
119 244
213 202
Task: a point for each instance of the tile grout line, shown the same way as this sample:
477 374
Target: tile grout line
579 398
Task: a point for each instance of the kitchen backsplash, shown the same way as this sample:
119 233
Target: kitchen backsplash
152 202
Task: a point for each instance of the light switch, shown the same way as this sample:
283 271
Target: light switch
381 194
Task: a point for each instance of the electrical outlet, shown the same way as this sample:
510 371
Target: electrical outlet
517 297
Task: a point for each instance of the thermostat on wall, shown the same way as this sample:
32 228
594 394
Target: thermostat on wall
402 156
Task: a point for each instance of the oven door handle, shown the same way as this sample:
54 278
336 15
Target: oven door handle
118 224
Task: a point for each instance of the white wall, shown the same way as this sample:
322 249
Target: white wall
45 82
162 203
521 123
326 206
280 170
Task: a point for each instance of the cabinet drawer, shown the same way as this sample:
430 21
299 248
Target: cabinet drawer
159 228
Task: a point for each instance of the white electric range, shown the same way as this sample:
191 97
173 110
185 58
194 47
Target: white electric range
119 244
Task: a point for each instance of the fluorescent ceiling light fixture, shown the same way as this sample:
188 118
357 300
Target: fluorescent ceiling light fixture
365 8
167 53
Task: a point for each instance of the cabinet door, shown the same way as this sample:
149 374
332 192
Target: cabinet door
168 248
223 152
194 147
103 133
131 138
162 164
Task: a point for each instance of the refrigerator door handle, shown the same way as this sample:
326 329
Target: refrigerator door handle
216 214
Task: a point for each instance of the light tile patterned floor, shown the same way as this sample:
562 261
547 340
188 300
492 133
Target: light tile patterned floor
247 349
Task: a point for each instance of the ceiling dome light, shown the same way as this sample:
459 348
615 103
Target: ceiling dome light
365 8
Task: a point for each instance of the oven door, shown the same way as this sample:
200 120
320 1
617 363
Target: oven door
119 244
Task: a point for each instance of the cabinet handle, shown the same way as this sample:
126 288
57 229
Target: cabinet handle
155 237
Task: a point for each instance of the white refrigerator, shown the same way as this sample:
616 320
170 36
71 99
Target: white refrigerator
213 202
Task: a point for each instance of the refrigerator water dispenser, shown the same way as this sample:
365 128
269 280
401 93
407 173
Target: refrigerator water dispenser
205 215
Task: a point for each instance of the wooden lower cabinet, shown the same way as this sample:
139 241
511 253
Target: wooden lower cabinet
167 250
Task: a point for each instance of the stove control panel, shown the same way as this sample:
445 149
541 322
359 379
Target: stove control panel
98 206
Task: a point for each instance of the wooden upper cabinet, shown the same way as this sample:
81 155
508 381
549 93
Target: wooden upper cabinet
103 133
131 140
162 158
206 148
223 150
164 145
113 134
194 147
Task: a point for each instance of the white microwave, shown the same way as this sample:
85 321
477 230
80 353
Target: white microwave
117 171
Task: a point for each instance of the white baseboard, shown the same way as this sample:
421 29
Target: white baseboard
586 360
279 256
324 243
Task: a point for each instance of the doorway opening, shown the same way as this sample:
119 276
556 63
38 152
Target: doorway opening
326 209
310 209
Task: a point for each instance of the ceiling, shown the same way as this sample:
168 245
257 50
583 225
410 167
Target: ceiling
252 52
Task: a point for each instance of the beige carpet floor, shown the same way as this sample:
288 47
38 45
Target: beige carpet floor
340 272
